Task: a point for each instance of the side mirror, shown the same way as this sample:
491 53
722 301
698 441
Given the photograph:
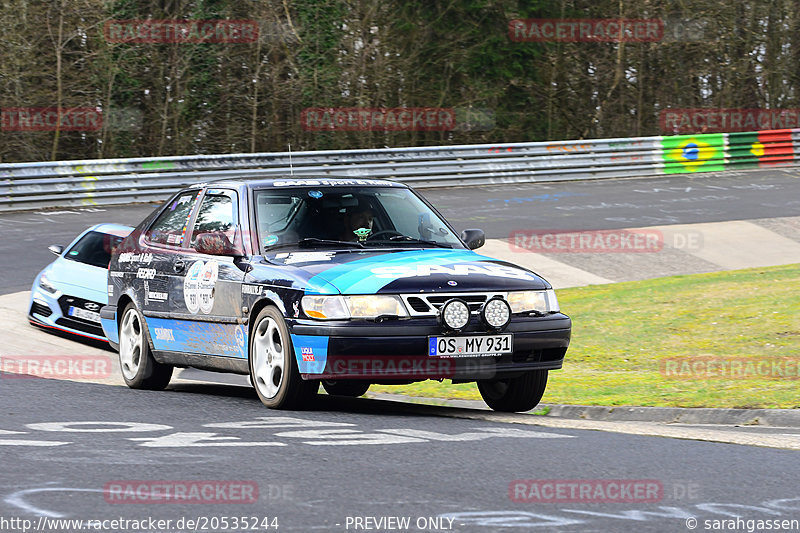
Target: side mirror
217 243
473 238
56 249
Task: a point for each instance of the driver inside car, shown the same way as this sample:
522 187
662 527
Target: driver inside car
357 223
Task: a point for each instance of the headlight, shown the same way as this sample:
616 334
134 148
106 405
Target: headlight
369 306
552 301
540 301
325 307
46 285
360 306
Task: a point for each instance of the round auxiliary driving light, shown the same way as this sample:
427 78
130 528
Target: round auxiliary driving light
455 314
496 313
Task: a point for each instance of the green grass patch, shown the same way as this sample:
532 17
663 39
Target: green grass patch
622 332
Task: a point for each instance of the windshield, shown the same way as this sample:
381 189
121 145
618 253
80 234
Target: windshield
348 218
94 249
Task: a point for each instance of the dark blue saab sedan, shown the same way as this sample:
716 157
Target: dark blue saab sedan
298 281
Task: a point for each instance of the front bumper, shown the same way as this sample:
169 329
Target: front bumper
397 350
48 310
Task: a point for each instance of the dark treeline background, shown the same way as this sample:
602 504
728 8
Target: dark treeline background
224 98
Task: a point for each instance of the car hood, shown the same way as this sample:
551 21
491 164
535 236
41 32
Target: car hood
407 271
79 279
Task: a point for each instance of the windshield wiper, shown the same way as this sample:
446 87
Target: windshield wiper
311 241
409 239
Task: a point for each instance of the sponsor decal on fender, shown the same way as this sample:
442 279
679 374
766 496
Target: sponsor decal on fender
251 289
307 353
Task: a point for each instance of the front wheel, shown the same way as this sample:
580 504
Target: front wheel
139 369
352 388
273 368
514 395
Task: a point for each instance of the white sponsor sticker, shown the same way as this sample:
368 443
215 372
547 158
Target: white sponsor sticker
191 284
499 271
304 257
251 289
146 273
164 334
330 183
207 281
130 257
158 296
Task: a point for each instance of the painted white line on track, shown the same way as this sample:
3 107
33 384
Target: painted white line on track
17 499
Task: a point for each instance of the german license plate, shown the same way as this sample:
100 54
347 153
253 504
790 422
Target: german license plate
479 345
91 316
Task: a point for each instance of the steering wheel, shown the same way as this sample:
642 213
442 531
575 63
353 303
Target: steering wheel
383 232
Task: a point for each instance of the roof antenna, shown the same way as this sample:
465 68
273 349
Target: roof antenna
291 168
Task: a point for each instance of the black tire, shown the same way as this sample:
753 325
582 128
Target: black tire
273 367
139 369
514 395
349 387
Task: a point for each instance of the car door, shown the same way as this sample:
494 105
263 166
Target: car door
151 266
205 314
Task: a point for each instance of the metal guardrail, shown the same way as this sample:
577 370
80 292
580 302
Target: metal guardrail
25 186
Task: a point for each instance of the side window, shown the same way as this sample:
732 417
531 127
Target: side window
216 217
170 226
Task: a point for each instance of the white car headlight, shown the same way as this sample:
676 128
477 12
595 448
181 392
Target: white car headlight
46 285
540 301
360 306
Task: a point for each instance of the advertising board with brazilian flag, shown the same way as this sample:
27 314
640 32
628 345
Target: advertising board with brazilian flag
693 153
711 152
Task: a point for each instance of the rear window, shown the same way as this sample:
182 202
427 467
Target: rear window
94 249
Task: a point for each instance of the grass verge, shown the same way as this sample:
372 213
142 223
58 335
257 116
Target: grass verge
623 333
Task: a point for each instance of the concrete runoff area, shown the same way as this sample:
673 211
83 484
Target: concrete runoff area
681 249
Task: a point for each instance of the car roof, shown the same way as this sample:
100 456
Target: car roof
286 180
